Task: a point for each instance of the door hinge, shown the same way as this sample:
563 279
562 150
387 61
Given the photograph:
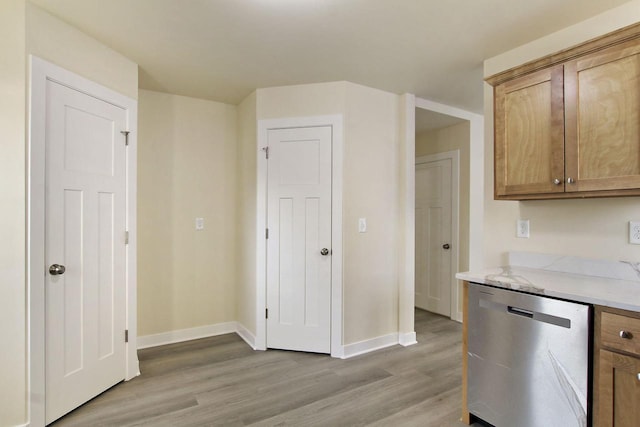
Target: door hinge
266 152
126 335
266 313
266 233
126 136
126 237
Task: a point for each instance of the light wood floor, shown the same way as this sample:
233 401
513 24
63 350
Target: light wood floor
221 381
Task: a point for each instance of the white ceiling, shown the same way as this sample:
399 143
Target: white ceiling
224 49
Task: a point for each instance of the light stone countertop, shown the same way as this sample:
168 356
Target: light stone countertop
563 277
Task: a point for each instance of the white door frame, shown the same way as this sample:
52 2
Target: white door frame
454 156
335 121
41 72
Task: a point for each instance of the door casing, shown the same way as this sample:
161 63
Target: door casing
40 72
336 123
454 156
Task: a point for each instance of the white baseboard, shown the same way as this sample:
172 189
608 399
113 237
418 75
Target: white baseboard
181 335
337 352
366 346
246 335
347 351
407 339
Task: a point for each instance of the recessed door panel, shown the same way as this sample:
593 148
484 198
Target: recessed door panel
299 223
85 234
433 236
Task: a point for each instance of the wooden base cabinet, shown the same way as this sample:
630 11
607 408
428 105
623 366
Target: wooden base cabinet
616 368
619 390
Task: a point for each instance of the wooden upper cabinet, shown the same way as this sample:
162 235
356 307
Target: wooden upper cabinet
602 98
568 125
529 134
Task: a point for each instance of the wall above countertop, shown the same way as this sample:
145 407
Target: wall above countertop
622 270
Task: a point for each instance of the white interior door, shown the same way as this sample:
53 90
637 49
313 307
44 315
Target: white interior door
299 240
433 236
85 235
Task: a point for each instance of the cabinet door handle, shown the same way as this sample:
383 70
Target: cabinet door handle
557 181
626 335
570 180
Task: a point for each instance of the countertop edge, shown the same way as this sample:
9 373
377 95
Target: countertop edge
575 297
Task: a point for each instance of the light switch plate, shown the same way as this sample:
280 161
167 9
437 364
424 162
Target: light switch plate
362 225
522 228
199 223
634 232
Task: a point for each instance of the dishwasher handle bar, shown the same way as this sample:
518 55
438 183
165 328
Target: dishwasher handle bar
529 314
520 311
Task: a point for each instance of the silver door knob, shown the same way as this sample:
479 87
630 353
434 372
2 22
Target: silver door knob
626 335
56 269
570 180
557 181
324 251
446 246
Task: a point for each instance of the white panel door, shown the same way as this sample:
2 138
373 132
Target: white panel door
433 236
85 231
299 223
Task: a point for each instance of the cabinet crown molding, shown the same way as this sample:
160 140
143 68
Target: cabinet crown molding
615 37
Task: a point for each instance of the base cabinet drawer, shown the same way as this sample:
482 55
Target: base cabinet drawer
621 333
619 390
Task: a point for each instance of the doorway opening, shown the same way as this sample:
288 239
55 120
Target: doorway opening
442 146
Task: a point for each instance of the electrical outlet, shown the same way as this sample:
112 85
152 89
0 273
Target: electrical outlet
634 232
199 223
362 225
522 228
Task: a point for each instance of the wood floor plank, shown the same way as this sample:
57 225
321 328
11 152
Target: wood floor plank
220 381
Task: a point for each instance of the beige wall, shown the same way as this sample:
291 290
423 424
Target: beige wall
59 43
186 169
301 100
246 207
595 228
12 214
452 138
371 189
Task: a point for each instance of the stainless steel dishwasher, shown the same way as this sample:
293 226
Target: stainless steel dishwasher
528 359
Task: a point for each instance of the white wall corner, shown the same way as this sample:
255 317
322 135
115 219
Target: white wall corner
407 339
182 335
406 294
246 335
367 346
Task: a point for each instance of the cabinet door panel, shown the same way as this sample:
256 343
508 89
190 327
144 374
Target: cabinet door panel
618 390
602 96
529 134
